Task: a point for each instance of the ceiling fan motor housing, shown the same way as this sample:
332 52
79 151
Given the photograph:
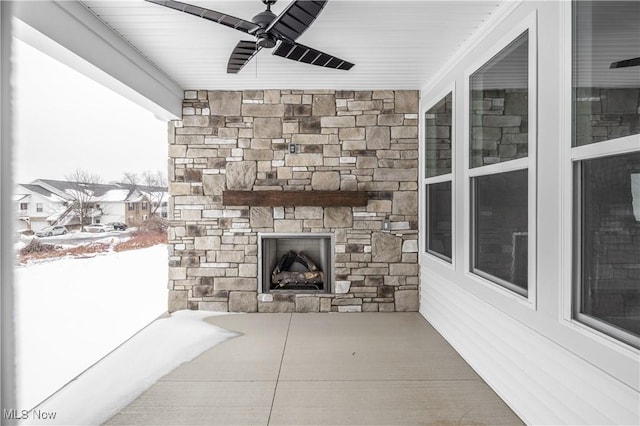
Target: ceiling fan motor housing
264 19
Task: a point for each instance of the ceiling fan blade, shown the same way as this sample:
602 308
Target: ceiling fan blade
633 62
211 15
296 18
241 55
301 53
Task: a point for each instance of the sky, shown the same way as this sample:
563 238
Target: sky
64 120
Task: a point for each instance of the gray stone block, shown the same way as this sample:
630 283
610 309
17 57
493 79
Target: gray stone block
309 213
369 307
288 225
263 110
243 301
265 127
501 120
324 105
386 247
203 291
404 132
235 283
301 160
225 103
307 304
622 101
391 119
351 133
177 300
406 300
378 137
406 269
406 101
338 217
484 133
516 103
261 217
325 181
241 175
341 121
213 184
309 125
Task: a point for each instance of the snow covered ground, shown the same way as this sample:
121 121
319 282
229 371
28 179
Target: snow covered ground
106 388
72 312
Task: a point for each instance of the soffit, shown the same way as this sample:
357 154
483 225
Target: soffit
394 44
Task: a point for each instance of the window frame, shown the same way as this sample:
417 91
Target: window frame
448 177
528 24
571 158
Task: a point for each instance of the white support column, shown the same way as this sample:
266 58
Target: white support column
7 347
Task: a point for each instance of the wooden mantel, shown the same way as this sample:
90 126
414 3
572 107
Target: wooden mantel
295 198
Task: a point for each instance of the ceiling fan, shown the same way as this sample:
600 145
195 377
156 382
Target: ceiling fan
269 31
633 62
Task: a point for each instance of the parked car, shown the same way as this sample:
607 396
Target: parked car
50 231
98 227
118 226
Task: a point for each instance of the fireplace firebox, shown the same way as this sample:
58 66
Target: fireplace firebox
295 263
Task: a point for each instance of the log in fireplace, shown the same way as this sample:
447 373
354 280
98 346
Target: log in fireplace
300 263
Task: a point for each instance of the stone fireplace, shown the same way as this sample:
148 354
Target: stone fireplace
295 263
296 159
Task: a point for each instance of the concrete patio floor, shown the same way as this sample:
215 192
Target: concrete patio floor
320 369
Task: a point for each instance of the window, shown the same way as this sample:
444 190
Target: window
131 206
24 206
500 106
438 178
39 207
499 168
500 243
606 164
610 241
145 217
144 205
606 80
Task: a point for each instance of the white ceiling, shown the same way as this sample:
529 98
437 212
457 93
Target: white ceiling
394 44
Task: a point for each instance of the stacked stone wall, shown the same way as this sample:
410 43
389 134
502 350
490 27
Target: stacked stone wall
602 114
345 140
499 126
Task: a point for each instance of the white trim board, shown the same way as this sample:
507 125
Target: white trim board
71 34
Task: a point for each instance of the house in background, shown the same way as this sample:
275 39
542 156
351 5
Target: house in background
46 202
37 207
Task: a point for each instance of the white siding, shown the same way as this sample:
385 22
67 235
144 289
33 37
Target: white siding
548 368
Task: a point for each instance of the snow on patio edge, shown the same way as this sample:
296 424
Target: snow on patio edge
118 379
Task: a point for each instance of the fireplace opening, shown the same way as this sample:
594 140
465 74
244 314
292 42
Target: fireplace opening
300 263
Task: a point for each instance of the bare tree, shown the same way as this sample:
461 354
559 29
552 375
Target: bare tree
156 186
130 178
82 192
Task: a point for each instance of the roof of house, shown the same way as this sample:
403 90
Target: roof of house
37 188
111 192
